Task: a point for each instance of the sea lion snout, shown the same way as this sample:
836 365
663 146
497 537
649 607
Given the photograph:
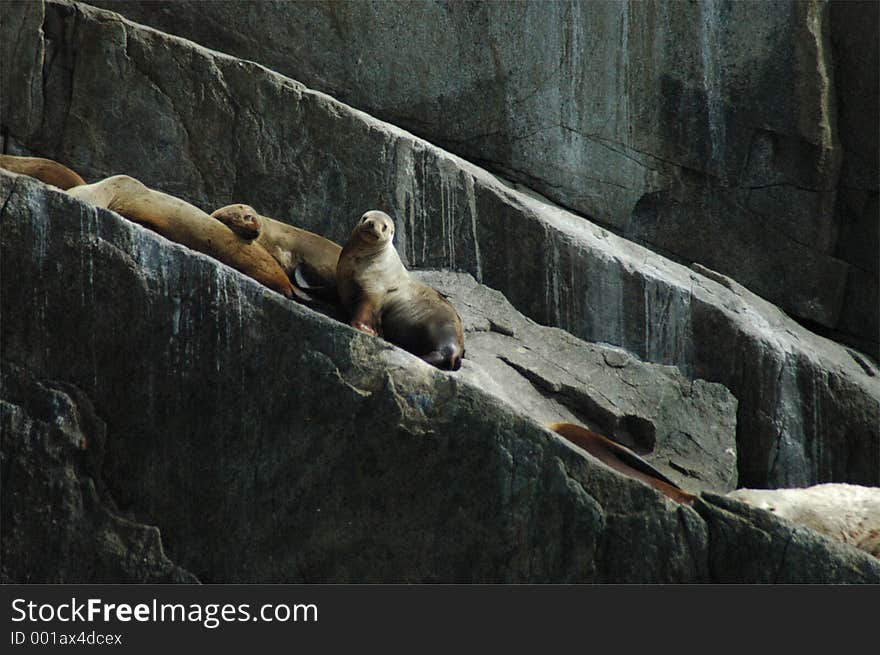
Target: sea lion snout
447 357
371 230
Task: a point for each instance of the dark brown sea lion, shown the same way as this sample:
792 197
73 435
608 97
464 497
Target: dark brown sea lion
384 300
621 459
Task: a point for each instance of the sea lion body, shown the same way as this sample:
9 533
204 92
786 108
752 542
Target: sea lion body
292 247
45 170
846 512
384 300
171 217
621 459
186 224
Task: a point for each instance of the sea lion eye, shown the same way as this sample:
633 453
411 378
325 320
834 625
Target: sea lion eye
384 228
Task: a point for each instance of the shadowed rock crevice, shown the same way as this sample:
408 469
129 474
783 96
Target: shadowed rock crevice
60 524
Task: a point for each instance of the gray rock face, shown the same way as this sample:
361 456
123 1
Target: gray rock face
857 50
273 444
769 540
712 131
59 524
686 429
115 97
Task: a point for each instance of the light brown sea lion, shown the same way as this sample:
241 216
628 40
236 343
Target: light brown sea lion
45 170
185 224
847 512
169 216
241 219
621 459
308 259
384 300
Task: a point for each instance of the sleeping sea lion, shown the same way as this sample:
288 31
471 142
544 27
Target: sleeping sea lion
45 170
307 258
847 512
186 224
383 300
241 219
169 216
621 459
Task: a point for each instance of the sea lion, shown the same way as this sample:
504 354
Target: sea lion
308 259
45 170
185 224
846 512
169 216
241 219
383 300
621 459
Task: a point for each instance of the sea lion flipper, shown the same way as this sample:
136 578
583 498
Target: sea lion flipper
308 291
589 441
364 316
300 294
304 276
366 328
632 459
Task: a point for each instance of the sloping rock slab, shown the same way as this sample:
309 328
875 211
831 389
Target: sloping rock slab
108 96
272 444
684 428
59 525
706 130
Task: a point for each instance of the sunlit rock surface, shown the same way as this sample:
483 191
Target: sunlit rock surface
686 429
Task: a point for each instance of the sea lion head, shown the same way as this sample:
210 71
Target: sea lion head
375 229
241 219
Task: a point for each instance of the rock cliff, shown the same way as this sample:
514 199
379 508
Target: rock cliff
739 135
148 385
270 443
